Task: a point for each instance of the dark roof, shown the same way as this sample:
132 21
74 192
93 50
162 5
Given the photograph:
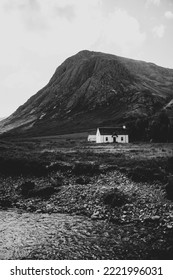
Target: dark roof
113 131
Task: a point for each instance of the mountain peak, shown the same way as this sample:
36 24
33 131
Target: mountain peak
93 89
85 53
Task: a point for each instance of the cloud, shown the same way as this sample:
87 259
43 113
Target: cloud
28 11
43 32
153 2
67 11
21 5
169 15
159 30
121 32
63 27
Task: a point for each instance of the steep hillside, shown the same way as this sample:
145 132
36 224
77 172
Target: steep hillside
91 89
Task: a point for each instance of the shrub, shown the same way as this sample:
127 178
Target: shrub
146 174
26 187
85 168
5 202
115 198
82 180
29 189
59 166
44 191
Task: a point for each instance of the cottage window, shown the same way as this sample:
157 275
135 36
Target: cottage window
122 138
106 138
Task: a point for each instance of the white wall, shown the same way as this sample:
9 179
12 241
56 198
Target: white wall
98 136
106 139
127 138
109 138
122 139
92 138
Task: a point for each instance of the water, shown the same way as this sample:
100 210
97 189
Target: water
56 236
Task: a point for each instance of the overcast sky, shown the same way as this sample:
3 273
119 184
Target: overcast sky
38 35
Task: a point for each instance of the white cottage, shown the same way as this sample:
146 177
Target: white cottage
112 135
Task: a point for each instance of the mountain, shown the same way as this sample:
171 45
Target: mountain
92 89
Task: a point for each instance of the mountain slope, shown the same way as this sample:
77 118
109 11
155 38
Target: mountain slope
91 89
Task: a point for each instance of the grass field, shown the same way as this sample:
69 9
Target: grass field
153 161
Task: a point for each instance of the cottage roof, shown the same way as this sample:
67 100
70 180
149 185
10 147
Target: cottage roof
113 131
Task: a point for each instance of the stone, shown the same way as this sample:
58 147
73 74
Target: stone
38 211
49 208
155 218
95 215
126 239
169 226
152 218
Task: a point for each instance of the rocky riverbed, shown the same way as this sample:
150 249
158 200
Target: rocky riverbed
25 235
110 217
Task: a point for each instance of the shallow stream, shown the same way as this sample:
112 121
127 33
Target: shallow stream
26 235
